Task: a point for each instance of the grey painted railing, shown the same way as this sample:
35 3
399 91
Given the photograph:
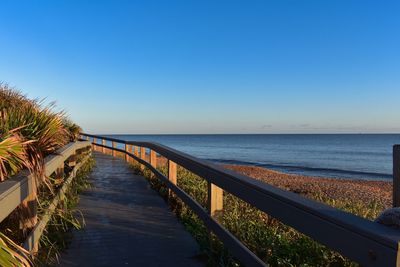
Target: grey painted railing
361 240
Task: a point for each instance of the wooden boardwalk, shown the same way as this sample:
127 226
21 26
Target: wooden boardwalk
127 223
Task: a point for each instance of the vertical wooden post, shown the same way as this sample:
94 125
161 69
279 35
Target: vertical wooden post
60 172
28 208
142 156
128 148
215 205
396 176
143 153
87 138
78 152
103 149
215 200
88 150
72 160
172 175
94 143
153 158
136 151
114 145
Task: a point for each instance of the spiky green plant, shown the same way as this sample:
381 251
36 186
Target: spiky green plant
11 254
29 131
73 129
12 155
41 127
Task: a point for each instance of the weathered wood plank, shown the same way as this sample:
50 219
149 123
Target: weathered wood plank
141 232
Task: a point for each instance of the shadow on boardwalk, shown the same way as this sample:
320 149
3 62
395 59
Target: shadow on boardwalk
127 223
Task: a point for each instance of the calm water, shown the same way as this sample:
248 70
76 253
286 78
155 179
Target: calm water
365 156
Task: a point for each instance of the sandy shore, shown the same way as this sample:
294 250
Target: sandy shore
362 190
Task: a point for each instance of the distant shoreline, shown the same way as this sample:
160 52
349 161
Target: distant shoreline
227 134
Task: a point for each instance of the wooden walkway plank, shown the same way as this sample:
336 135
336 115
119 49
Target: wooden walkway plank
127 223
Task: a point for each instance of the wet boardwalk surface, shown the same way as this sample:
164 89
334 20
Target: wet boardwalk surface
127 223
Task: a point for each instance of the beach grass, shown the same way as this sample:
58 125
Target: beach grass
29 131
66 217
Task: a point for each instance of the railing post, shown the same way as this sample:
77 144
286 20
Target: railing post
78 152
103 149
396 176
153 158
60 173
114 145
142 156
72 160
29 208
172 175
215 205
128 148
215 199
94 143
136 151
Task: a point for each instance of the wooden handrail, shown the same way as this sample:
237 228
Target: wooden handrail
396 176
18 188
364 241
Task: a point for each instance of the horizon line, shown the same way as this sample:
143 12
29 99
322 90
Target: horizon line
333 133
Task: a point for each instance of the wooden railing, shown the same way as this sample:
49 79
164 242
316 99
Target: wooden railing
22 187
396 176
361 240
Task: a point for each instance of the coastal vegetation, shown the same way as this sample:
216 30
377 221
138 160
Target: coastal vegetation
66 216
271 240
30 130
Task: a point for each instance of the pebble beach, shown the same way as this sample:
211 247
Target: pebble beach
338 189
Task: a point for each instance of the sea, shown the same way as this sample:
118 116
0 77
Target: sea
342 156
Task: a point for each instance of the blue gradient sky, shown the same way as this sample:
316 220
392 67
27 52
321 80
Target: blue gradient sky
209 66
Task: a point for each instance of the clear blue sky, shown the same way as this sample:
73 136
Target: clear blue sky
209 66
